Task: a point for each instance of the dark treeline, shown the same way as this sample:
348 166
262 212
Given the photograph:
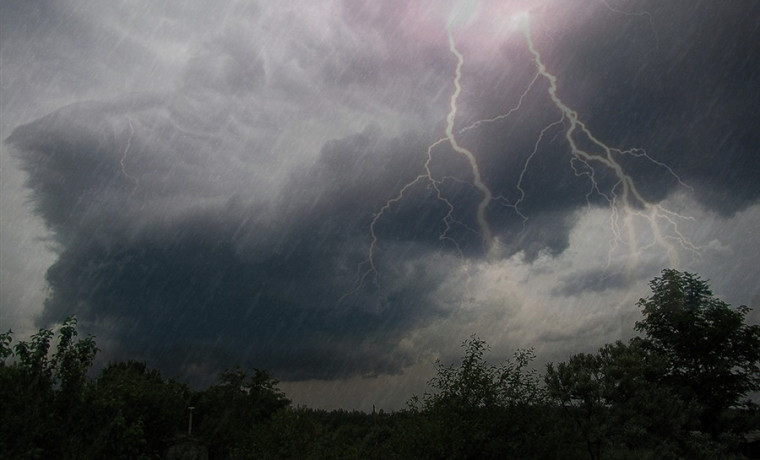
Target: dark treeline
679 390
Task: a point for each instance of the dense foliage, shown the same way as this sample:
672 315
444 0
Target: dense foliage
678 391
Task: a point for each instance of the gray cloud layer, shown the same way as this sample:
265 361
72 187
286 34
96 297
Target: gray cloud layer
220 218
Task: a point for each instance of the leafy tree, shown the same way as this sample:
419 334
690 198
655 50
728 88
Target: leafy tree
480 410
477 384
712 356
228 411
577 386
673 393
613 401
133 412
5 346
72 359
41 396
290 433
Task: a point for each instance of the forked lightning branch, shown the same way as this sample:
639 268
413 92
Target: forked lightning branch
630 213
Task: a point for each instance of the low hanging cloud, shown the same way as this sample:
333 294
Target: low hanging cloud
227 217
168 258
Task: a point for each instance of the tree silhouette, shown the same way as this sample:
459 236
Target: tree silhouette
676 392
712 356
481 410
41 396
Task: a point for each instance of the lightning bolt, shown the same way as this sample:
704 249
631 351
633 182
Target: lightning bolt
625 199
477 181
123 160
428 179
626 203
425 178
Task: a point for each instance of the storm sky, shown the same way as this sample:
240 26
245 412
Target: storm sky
341 192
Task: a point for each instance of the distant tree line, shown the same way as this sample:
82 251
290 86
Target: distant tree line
680 390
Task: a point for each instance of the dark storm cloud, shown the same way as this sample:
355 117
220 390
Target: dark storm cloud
188 235
172 231
193 293
73 161
683 86
164 259
268 277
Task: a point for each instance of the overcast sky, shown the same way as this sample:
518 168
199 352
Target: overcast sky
341 192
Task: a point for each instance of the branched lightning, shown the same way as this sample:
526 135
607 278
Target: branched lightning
521 197
123 160
508 113
428 178
626 203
